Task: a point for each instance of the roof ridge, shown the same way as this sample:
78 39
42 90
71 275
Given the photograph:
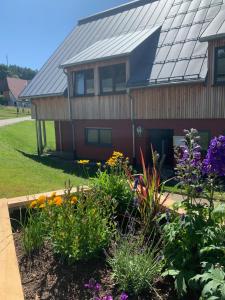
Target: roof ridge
114 10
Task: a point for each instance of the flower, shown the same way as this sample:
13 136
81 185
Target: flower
53 194
74 200
214 163
93 285
33 204
115 159
83 162
123 296
41 199
43 205
58 200
98 164
107 297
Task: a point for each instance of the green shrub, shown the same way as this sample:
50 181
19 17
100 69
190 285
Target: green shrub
82 231
134 264
115 186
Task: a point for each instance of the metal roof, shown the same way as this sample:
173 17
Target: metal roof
216 28
179 55
117 46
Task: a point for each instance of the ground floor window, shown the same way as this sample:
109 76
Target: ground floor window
98 136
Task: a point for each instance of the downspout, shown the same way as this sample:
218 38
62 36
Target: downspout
131 112
70 109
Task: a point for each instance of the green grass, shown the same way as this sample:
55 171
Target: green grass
9 112
22 172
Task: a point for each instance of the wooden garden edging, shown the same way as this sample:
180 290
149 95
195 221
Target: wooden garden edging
10 281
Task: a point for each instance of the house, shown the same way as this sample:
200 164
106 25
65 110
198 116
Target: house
135 75
10 88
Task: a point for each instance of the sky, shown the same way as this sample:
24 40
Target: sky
30 30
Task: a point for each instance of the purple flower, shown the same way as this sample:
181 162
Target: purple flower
93 285
123 296
214 163
107 297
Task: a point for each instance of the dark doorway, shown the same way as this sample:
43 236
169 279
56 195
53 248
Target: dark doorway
162 142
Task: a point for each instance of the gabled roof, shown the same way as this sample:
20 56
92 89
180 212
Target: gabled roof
179 54
216 28
117 46
16 85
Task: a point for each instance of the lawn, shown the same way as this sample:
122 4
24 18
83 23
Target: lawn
22 172
9 112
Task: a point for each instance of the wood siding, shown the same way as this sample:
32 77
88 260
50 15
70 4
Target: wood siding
50 108
180 101
101 107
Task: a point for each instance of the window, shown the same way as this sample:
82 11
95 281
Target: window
84 83
204 139
98 136
113 79
220 65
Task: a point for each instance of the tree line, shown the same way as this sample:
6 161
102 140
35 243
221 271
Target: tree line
16 71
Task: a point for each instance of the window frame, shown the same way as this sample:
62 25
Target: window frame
99 144
215 66
85 72
113 92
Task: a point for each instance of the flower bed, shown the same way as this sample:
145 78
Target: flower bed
117 241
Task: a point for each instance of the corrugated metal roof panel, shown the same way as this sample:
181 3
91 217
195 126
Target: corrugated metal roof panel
181 22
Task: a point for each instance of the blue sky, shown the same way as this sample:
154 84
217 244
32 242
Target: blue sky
30 30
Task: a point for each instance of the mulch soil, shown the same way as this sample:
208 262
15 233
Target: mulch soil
44 277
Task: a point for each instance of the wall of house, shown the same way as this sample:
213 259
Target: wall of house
50 108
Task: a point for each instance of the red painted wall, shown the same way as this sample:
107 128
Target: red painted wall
122 135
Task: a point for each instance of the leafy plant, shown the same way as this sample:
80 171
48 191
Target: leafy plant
148 192
82 231
212 281
135 265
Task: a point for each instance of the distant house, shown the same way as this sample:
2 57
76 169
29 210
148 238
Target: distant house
10 88
135 75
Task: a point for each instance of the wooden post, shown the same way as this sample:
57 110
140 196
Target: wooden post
60 136
37 137
40 138
44 134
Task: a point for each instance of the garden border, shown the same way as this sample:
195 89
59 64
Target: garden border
10 280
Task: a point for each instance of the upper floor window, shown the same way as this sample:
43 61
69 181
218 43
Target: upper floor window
113 79
220 65
84 83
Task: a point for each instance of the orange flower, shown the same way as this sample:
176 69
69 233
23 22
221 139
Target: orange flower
58 200
74 200
33 204
41 199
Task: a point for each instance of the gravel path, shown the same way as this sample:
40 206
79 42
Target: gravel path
13 121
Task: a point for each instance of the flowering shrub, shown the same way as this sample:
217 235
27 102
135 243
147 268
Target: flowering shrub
197 237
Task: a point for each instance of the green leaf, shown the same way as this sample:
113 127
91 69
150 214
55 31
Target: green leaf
180 285
170 272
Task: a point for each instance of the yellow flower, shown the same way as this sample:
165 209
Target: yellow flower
98 164
50 202
43 205
58 200
74 200
83 162
41 199
33 204
53 194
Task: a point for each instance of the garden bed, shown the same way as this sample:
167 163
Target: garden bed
44 276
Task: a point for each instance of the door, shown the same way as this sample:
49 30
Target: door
162 142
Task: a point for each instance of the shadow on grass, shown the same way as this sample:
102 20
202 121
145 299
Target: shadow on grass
67 166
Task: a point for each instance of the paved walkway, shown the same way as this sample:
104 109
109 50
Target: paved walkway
13 121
